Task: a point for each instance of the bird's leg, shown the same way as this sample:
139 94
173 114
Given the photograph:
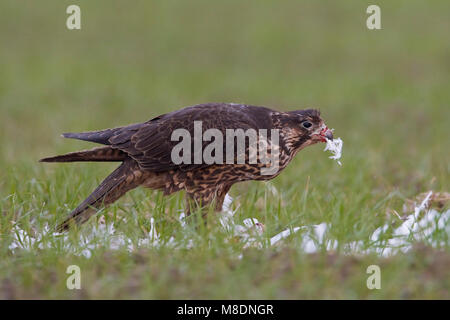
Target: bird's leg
197 201
221 193
203 199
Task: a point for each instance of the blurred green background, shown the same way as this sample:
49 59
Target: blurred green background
386 92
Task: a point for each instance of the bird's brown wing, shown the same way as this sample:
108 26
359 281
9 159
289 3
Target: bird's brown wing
151 146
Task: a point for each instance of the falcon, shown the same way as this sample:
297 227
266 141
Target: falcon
146 153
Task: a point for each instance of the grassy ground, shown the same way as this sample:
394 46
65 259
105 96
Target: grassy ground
385 92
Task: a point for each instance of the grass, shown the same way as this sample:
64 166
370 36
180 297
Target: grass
385 92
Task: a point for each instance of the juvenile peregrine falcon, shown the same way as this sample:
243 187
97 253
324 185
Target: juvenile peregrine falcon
145 151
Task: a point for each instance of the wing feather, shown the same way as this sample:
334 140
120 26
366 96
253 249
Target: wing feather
150 143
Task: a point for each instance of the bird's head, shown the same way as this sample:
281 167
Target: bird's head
305 127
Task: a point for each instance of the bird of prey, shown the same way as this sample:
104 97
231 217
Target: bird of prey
145 151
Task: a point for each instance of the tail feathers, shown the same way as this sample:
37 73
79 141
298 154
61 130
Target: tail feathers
96 154
119 182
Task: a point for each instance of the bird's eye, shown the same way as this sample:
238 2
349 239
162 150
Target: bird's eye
306 124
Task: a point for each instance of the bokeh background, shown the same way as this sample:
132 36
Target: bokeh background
385 92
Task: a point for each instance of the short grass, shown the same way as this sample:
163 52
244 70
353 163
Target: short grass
385 92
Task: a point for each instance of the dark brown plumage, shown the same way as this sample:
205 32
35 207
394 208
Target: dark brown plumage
145 152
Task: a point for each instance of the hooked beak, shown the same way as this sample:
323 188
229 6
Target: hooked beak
329 134
326 134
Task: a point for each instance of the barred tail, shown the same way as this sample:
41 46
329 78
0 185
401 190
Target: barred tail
102 154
